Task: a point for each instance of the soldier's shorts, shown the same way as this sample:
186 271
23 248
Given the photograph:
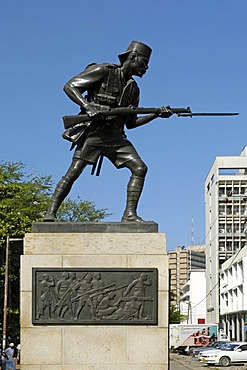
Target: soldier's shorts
117 154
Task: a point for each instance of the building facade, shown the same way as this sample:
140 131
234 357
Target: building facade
226 212
181 262
233 296
192 298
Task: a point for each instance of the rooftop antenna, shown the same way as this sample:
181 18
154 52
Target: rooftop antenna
192 231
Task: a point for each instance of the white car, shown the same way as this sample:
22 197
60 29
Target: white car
198 352
233 352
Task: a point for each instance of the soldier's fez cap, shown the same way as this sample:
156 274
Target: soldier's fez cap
137 46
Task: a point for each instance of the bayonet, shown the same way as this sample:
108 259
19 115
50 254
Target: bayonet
187 114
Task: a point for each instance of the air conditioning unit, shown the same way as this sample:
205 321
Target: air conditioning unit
221 231
221 249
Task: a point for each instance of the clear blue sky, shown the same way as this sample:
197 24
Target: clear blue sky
199 60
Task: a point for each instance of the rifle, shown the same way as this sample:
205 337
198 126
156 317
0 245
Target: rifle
84 119
109 289
92 291
66 294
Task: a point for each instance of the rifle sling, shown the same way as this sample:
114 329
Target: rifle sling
99 163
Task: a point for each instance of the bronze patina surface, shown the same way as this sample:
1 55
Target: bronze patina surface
111 296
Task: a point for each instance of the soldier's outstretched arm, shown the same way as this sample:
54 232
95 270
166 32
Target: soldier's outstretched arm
139 121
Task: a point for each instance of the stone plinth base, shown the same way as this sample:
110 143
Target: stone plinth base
94 347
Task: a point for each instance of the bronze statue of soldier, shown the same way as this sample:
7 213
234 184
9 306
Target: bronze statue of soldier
109 86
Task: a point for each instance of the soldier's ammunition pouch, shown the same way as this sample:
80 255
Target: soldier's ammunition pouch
75 133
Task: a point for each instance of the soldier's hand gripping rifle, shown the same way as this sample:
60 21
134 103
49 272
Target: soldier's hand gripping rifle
77 125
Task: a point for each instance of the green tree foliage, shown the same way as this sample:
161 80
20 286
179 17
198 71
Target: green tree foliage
175 317
24 199
82 211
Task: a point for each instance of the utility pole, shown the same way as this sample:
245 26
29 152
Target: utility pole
6 289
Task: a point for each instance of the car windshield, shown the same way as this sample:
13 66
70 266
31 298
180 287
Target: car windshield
219 344
229 347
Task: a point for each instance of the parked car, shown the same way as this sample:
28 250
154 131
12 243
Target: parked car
231 353
210 346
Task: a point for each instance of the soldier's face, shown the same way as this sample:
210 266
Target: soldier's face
140 65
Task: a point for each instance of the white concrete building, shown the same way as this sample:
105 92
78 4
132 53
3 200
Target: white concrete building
233 296
225 206
193 302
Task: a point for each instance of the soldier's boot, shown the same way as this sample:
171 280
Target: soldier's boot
134 191
62 190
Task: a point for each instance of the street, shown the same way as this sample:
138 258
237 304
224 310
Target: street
180 362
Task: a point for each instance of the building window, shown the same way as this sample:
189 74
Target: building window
229 246
229 191
221 191
236 209
236 190
222 209
228 209
243 190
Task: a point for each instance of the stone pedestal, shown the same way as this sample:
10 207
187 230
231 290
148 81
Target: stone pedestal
94 347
